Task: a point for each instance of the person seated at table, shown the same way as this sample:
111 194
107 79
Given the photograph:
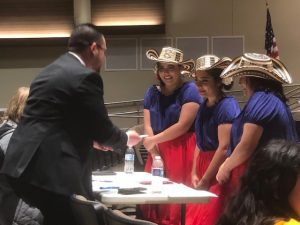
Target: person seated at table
12 209
270 189
170 109
212 126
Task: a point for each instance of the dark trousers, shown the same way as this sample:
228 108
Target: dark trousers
55 208
8 202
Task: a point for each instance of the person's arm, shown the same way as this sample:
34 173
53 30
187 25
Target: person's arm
103 131
245 148
186 119
194 176
148 130
218 158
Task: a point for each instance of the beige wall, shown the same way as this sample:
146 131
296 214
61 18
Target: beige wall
18 65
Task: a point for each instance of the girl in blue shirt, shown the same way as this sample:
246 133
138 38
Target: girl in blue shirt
265 116
212 126
170 109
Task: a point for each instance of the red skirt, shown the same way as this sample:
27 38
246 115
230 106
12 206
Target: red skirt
203 161
208 214
177 156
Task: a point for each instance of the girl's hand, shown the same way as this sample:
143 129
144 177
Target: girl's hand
223 174
195 180
203 185
149 143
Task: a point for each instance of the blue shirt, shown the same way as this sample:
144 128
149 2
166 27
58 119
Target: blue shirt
165 110
209 118
268 111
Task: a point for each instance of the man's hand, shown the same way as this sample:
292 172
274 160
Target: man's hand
98 146
133 138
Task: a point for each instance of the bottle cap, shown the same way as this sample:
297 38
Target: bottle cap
157 157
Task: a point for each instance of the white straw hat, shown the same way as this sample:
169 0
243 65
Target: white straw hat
172 55
207 62
258 65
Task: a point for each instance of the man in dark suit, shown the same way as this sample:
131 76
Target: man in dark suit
48 156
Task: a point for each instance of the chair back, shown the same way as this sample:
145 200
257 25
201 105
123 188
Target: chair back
87 212
116 217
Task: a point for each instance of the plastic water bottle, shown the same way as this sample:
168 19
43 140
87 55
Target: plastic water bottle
157 167
129 160
157 171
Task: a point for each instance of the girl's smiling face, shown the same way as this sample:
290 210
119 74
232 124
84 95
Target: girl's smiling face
207 85
169 73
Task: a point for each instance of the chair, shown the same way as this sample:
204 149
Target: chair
143 153
116 217
87 212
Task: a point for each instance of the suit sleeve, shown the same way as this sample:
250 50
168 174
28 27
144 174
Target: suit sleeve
90 95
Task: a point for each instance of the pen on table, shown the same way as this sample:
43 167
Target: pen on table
102 188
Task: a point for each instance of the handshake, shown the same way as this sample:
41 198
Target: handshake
133 138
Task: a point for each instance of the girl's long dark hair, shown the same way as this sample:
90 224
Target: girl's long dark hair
260 84
265 187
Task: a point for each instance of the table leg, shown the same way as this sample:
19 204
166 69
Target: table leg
183 207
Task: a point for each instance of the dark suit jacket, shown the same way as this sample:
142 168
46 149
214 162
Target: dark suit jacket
65 112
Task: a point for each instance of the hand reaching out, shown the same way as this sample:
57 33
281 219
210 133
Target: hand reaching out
133 138
101 147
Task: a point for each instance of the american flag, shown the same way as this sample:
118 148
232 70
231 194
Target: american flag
270 40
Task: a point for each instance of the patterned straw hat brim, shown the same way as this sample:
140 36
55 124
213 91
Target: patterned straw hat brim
173 56
257 65
222 63
208 62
